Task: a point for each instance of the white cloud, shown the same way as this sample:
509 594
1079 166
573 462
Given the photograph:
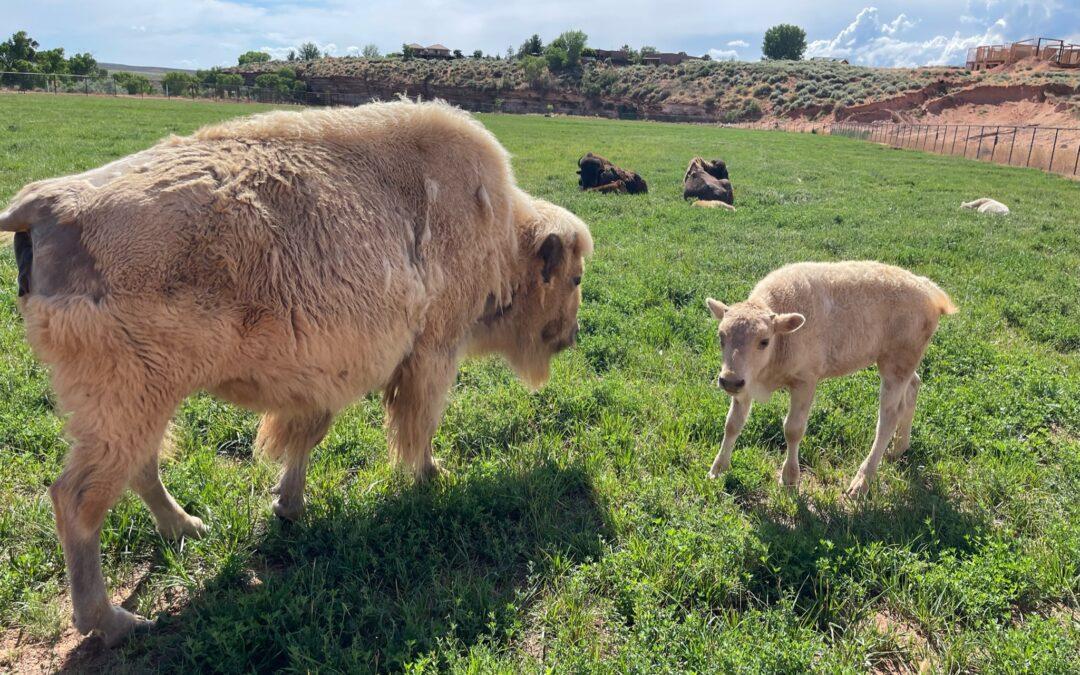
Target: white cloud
738 43
872 41
723 54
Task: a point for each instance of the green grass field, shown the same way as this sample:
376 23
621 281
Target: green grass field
577 529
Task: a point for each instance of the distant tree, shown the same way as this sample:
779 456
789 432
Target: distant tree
784 41
252 57
458 54
646 50
18 47
509 52
407 52
82 64
370 51
533 46
51 61
478 54
291 56
134 83
536 71
565 50
309 51
177 83
631 53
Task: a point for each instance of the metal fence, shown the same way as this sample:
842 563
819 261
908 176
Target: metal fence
1055 149
107 86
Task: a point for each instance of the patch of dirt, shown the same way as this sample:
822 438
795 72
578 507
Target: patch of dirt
910 643
72 652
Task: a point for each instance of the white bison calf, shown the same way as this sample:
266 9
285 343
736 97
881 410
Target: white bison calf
810 321
289 262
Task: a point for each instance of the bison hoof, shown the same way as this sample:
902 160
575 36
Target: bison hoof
118 625
858 488
789 476
431 471
184 526
289 509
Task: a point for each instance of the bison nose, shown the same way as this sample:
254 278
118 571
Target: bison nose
732 386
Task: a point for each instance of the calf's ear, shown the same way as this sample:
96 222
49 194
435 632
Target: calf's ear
716 307
551 254
788 323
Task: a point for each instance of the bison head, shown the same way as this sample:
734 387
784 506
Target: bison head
541 317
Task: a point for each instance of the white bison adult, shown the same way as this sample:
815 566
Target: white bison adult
290 262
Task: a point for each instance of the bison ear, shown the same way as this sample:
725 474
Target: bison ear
716 307
551 254
788 323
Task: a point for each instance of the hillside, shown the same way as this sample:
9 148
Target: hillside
703 91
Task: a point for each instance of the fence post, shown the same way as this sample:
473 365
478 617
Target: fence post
1076 162
1053 151
1012 145
1031 145
956 132
993 151
967 139
86 86
978 150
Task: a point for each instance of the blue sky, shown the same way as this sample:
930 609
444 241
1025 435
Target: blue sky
203 33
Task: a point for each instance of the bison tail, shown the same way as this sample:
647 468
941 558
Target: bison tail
940 298
44 202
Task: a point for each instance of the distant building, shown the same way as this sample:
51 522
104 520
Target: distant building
1053 50
435 51
616 57
666 58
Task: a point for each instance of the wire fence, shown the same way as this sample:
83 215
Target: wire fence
1054 149
107 86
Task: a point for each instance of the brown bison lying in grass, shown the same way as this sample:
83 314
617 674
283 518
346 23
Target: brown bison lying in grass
707 183
599 175
289 262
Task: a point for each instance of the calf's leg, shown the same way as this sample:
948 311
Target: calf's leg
173 522
893 390
902 441
291 437
414 402
802 397
736 418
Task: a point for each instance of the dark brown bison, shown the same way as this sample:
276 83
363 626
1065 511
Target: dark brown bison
708 183
599 175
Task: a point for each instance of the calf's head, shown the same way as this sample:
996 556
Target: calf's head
747 335
541 319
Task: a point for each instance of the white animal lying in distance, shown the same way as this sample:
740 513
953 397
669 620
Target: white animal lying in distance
986 205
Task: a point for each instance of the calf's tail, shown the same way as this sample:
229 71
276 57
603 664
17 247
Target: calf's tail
37 204
939 297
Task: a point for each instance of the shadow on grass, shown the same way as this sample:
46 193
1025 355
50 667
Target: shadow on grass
918 517
372 583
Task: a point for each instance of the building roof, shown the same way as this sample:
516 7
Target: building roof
439 46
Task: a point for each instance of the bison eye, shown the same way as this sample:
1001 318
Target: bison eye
577 281
764 343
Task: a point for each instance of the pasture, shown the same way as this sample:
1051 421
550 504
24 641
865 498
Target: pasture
577 529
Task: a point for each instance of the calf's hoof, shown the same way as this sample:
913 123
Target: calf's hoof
186 526
719 467
789 476
116 625
858 488
289 509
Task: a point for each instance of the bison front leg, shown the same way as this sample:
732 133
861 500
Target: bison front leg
736 418
291 437
802 397
414 402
